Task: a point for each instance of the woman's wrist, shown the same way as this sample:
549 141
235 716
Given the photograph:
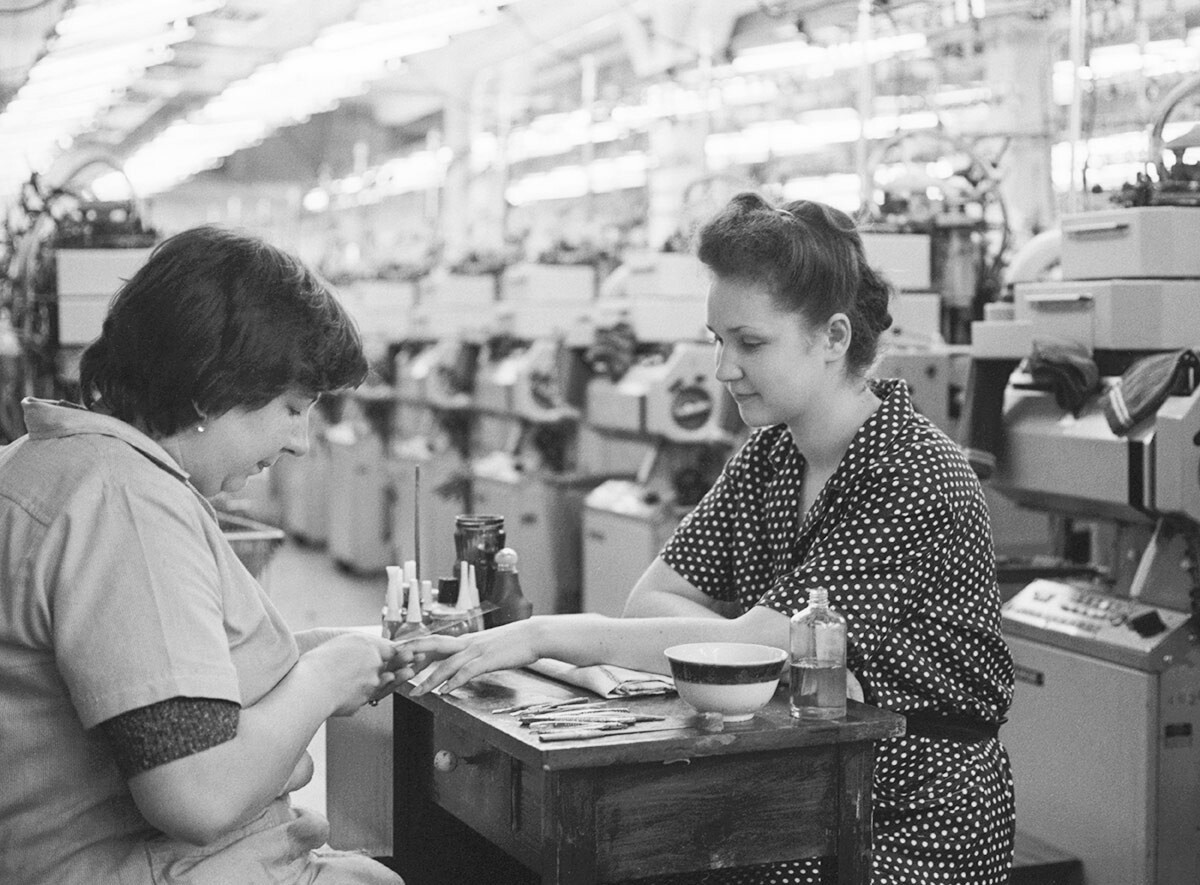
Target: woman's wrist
314 683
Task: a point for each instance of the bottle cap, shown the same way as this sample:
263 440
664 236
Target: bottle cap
468 596
395 592
413 614
506 559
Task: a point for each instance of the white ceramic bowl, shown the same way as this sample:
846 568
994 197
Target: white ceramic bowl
734 679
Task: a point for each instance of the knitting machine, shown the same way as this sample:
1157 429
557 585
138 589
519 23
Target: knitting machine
657 421
936 222
434 375
1084 403
63 255
527 405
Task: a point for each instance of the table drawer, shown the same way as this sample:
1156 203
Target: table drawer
495 794
722 811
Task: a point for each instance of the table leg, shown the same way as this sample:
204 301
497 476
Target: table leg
570 859
855 770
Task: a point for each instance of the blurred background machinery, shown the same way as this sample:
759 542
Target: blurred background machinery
63 254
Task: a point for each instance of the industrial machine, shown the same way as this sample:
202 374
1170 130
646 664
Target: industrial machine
358 493
434 379
360 496
1083 392
63 255
656 418
936 222
302 484
528 402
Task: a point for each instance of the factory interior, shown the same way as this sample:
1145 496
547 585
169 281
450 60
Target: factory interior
503 195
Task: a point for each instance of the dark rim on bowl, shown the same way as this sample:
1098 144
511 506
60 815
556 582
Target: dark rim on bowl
688 671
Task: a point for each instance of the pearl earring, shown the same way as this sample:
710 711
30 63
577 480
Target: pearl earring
203 417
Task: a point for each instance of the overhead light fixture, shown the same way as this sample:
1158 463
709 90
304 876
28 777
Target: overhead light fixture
574 180
826 60
841 190
1113 159
98 49
1153 59
342 62
420 170
809 133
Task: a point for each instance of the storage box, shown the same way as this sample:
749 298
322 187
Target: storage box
1140 242
80 318
87 281
529 281
664 274
96 271
905 259
1113 314
440 287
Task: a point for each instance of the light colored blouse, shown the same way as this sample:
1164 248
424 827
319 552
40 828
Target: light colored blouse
118 589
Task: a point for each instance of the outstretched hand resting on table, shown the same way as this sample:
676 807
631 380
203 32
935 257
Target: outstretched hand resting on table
453 661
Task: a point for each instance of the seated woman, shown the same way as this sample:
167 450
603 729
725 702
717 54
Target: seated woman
842 486
157 709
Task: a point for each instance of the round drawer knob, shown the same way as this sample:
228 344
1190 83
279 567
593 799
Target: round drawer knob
444 760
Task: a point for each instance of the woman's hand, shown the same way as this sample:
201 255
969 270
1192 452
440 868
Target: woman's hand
357 667
459 659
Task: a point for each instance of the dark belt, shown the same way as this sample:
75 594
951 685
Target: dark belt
954 728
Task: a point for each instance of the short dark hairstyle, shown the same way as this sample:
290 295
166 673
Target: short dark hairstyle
811 258
214 320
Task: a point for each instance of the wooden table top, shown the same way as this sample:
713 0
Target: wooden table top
472 709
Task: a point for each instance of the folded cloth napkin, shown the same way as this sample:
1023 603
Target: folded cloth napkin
606 680
1067 369
1141 390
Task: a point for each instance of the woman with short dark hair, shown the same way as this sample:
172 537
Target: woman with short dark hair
843 486
157 707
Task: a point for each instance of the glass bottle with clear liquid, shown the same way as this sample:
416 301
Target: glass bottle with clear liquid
818 660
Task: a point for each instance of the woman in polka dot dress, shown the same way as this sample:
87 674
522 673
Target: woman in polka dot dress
843 486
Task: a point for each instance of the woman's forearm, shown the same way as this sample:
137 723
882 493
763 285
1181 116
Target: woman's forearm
584 640
664 604
202 796
639 642
307 640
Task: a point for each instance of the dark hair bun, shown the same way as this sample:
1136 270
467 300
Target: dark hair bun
874 299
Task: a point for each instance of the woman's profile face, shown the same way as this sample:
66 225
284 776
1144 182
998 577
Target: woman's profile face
767 358
242 442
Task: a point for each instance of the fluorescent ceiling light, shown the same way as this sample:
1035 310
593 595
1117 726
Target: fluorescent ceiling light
1156 58
98 49
841 190
825 59
810 132
420 170
342 62
1112 160
574 181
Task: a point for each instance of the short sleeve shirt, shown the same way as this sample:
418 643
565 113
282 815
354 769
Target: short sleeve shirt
899 536
118 589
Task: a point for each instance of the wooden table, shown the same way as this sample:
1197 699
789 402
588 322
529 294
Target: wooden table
479 798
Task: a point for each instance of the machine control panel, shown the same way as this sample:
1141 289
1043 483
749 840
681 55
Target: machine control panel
1093 616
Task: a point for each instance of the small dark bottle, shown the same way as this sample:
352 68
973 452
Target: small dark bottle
511 604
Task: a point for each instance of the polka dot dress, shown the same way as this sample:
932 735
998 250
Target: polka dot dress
900 537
